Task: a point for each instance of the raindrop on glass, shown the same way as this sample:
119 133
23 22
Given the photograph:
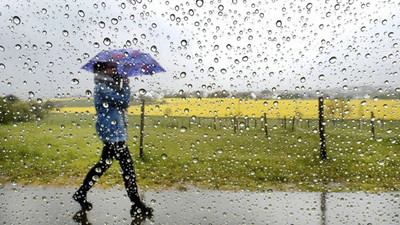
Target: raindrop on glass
332 59
183 43
107 41
81 13
114 21
183 129
279 23
16 20
142 91
88 93
74 81
199 3
102 24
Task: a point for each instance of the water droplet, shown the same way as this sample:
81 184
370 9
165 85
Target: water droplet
98 169
186 110
81 13
88 93
16 20
199 3
65 33
109 161
183 74
114 21
299 139
375 99
107 41
74 81
105 105
276 103
269 191
183 129
2 66
49 44
31 94
279 23
102 24
195 160
363 103
321 77
153 48
332 59
303 79
39 100
184 43
13 182
18 46
142 91
164 156
309 6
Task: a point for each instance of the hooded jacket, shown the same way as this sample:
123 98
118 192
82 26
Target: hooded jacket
111 108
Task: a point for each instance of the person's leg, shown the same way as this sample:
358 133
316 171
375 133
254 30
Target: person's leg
128 172
95 173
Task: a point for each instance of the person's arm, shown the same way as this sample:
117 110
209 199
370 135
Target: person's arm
115 99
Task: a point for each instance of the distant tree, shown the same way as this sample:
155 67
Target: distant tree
12 109
12 98
49 105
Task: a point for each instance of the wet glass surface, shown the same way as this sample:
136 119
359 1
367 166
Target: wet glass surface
27 205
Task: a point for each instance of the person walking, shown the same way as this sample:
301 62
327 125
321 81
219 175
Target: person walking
111 99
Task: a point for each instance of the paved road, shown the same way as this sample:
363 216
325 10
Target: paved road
51 205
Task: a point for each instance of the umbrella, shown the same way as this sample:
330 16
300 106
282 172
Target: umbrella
129 62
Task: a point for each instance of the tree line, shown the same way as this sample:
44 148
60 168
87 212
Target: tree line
13 109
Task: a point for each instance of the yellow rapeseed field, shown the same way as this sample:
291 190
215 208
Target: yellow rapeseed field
289 108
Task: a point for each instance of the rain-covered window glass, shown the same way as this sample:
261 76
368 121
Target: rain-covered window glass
199 112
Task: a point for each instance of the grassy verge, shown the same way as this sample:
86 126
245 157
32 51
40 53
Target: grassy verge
60 149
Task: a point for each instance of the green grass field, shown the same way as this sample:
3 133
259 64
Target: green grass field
60 149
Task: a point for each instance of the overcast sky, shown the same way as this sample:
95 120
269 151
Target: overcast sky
232 45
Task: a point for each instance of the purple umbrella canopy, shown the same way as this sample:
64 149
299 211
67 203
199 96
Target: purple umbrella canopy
129 62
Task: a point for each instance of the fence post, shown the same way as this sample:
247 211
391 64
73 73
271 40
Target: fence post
322 127
234 124
293 121
373 125
265 125
141 129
